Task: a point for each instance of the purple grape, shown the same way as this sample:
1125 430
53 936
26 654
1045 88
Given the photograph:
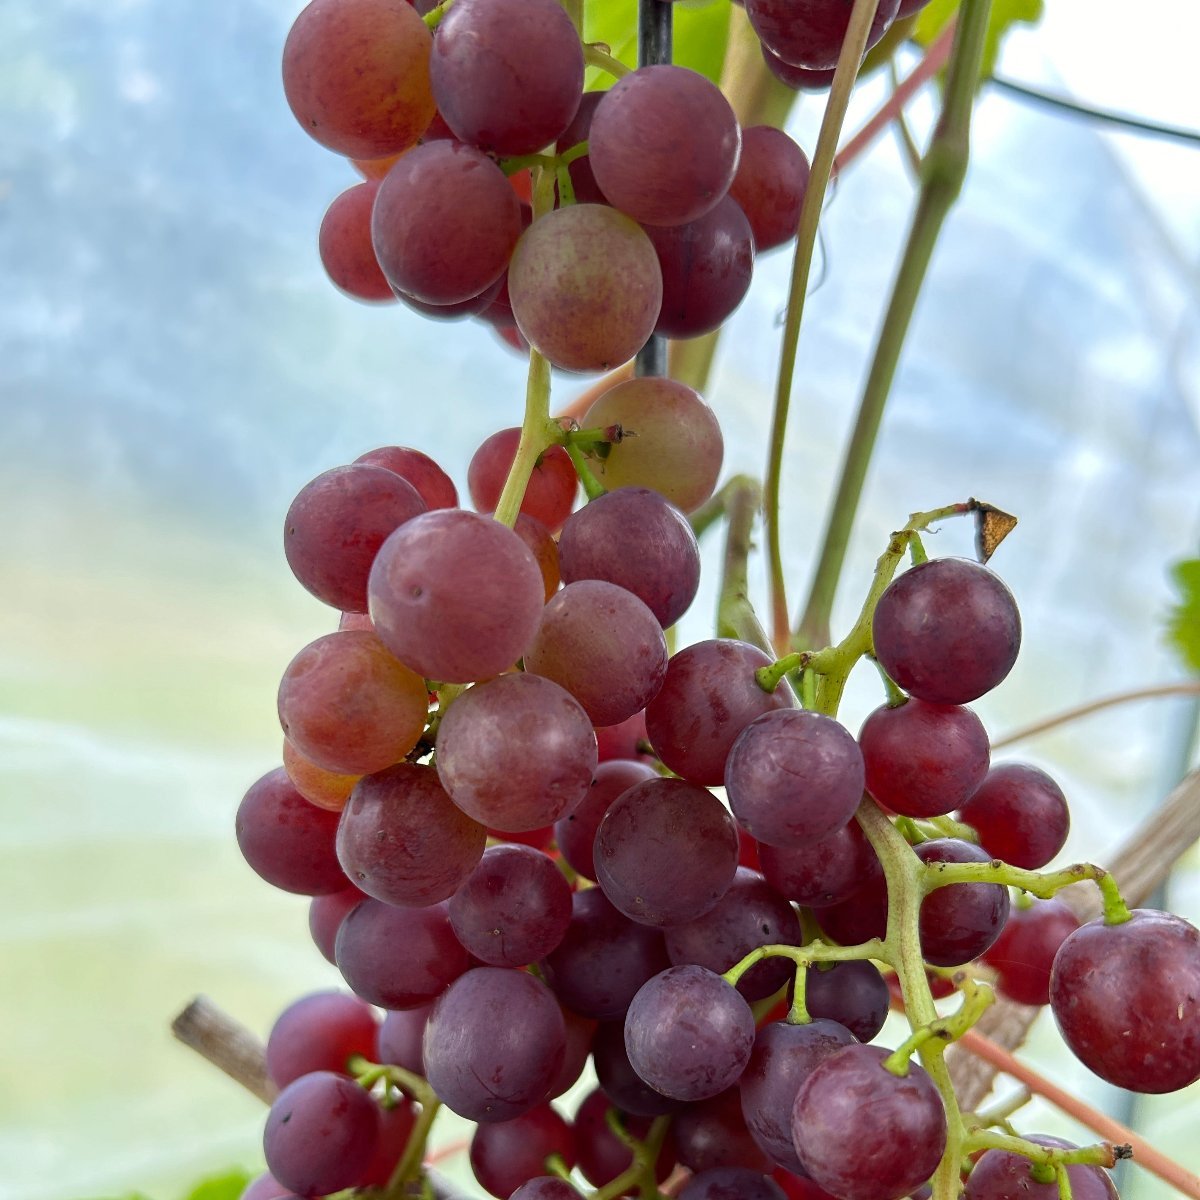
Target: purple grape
960 921
782 1059
579 1033
770 183
505 1155
402 840
604 646
923 760
456 595
398 1041
1020 814
1004 1175
513 909
445 223
602 1155
493 1044
636 539
326 914
688 1033
603 959
546 1187
863 1133
398 957
664 145
824 872
433 485
335 526
666 852
319 1032
575 834
712 1134
706 269
810 33
731 1183
627 1090
321 1134
503 102
853 994
794 777
947 631
1126 998
516 753
287 840
708 697
1023 954
750 914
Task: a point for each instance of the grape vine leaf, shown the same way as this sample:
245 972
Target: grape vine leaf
1183 624
701 34
1005 13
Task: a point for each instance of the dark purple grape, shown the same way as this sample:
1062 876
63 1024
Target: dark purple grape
505 1155
456 596
1126 998
750 914
445 223
585 287
666 852
794 777
664 145
1020 814
575 834
824 872
403 841
579 1033
799 79
349 705
398 1041
546 1187
604 646
863 1133
1004 1175
672 442
398 957
861 916
627 1090
356 75
325 916
770 183
516 753
623 740
321 1134
706 269
287 840
513 909
583 182
960 921
504 102
319 1032
783 1058
810 33
638 540
712 1134
1024 952
731 1183
708 697
947 631
603 959
493 1044
688 1033
853 994
264 1187
433 485
344 243
395 1128
923 760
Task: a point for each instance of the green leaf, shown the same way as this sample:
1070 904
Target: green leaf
1005 13
1183 625
701 33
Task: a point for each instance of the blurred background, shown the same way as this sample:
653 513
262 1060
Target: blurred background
174 366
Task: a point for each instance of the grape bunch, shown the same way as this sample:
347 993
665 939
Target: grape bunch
541 846
654 204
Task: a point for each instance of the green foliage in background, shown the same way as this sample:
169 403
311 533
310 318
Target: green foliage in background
1005 13
1183 627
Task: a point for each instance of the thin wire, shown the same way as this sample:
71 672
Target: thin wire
1103 115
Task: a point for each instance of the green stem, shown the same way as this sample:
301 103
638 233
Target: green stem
433 18
802 956
943 170
717 505
409 1166
976 1000
1101 1154
538 432
640 1173
736 617
1043 884
593 56
592 487
850 59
